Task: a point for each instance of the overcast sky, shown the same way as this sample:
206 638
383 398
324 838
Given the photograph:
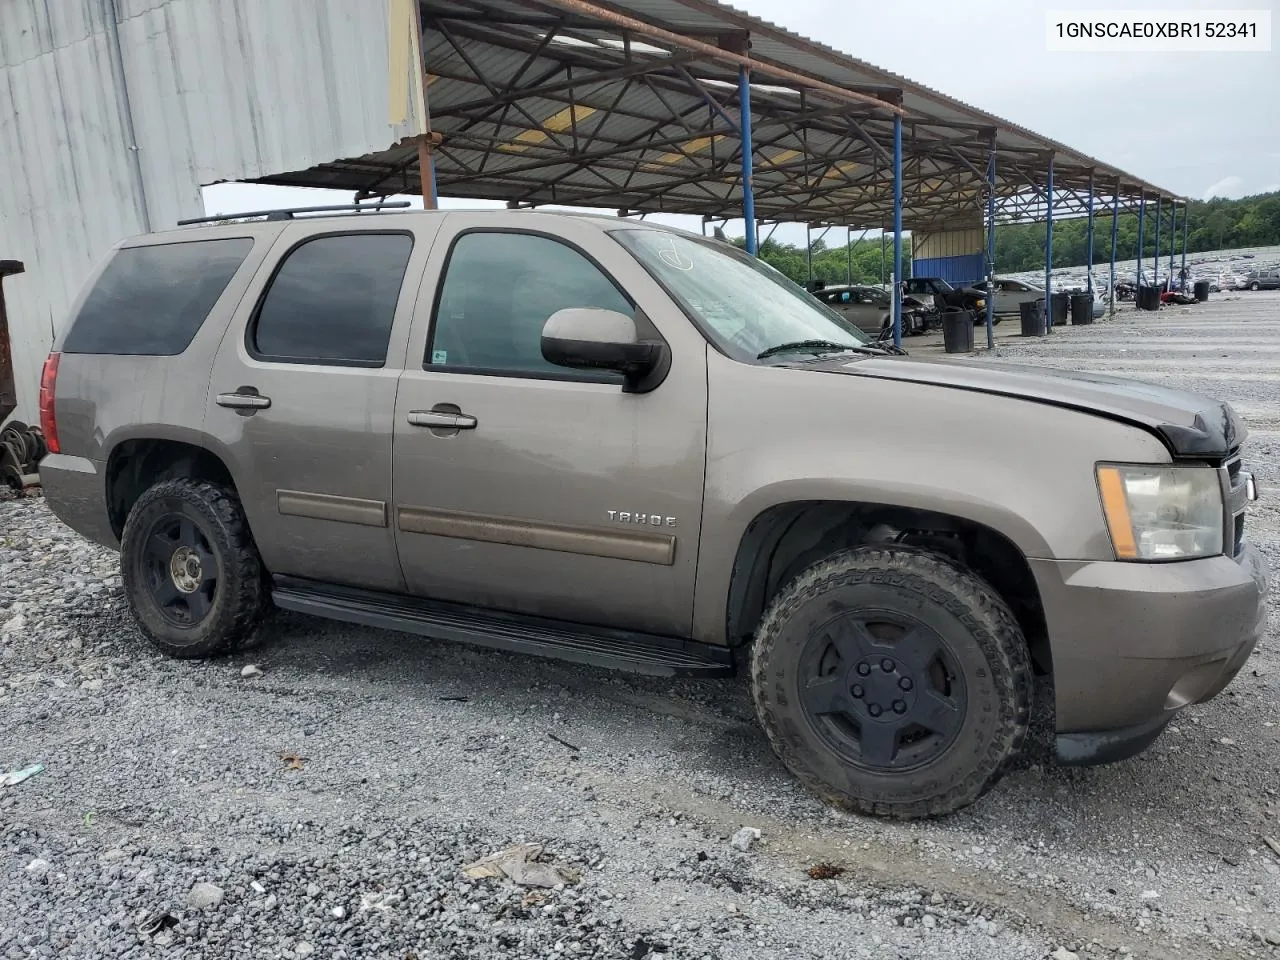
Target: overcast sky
1200 125
1196 124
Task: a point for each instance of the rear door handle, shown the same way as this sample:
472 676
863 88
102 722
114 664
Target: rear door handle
438 419
246 398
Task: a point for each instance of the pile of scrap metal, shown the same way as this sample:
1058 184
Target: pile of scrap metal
21 447
1177 297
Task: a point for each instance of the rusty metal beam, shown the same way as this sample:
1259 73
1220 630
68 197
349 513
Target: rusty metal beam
721 55
8 386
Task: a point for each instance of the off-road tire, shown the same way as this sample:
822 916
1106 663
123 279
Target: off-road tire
239 596
964 611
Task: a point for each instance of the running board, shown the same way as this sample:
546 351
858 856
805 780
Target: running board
644 653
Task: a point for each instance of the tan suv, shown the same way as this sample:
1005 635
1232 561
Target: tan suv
622 445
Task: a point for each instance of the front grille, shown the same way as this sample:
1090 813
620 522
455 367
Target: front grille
1236 500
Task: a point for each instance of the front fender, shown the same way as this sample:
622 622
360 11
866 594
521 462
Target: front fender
782 435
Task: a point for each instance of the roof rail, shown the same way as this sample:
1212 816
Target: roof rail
288 213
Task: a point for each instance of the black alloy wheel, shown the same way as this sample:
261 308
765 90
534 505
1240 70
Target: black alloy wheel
191 570
892 680
181 570
883 690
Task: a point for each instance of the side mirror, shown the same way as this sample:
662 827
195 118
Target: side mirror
589 338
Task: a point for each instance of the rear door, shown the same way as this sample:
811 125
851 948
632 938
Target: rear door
303 391
554 493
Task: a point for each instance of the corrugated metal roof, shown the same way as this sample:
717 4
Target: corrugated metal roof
507 71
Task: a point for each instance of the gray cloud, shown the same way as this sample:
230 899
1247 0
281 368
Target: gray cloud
1183 121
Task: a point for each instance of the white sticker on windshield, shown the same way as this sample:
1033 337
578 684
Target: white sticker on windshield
439 356
674 258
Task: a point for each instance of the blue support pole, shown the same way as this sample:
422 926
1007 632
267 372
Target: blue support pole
848 250
1173 236
1048 249
1186 212
897 230
748 192
991 248
1142 218
808 253
1115 239
1089 240
1155 263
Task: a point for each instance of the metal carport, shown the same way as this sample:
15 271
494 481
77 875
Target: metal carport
644 106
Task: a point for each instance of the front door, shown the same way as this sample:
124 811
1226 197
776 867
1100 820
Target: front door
532 488
303 391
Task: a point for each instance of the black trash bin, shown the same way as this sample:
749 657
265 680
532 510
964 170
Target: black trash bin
1148 298
1081 309
1061 306
1032 314
1202 290
957 331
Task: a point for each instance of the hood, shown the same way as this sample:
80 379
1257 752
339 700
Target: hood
1190 425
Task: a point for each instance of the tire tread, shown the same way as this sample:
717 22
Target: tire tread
938 579
241 565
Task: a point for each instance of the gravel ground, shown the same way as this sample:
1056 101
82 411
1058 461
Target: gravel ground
408 759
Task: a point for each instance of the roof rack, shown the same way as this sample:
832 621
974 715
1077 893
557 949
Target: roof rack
288 213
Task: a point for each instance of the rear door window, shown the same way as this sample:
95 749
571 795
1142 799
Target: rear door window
151 301
332 300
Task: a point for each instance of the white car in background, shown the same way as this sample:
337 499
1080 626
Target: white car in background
1010 294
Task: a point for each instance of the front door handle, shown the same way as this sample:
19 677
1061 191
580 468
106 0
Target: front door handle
441 419
245 398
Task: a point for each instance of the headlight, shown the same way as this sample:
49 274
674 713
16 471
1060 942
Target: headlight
980 303
1162 513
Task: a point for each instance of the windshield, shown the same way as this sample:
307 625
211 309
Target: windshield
742 303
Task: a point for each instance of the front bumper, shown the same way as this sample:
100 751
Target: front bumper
1134 643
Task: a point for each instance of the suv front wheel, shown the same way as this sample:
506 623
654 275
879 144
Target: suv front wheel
892 681
190 568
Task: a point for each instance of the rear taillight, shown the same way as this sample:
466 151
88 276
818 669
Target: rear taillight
49 422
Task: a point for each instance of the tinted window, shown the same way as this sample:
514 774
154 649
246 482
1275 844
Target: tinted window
499 291
152 300
333 299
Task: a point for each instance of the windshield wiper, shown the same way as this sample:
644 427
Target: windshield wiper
818 345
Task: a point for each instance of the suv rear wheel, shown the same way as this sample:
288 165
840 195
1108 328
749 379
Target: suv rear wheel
190 568
892 681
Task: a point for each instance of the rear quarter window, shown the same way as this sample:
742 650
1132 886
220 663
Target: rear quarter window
151 301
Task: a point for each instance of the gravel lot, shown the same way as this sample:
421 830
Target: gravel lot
414 758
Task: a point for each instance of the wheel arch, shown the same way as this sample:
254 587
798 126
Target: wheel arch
139 462
785 538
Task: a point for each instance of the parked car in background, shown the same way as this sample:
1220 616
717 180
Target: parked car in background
1009 294
944 295
870 308
1261 280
